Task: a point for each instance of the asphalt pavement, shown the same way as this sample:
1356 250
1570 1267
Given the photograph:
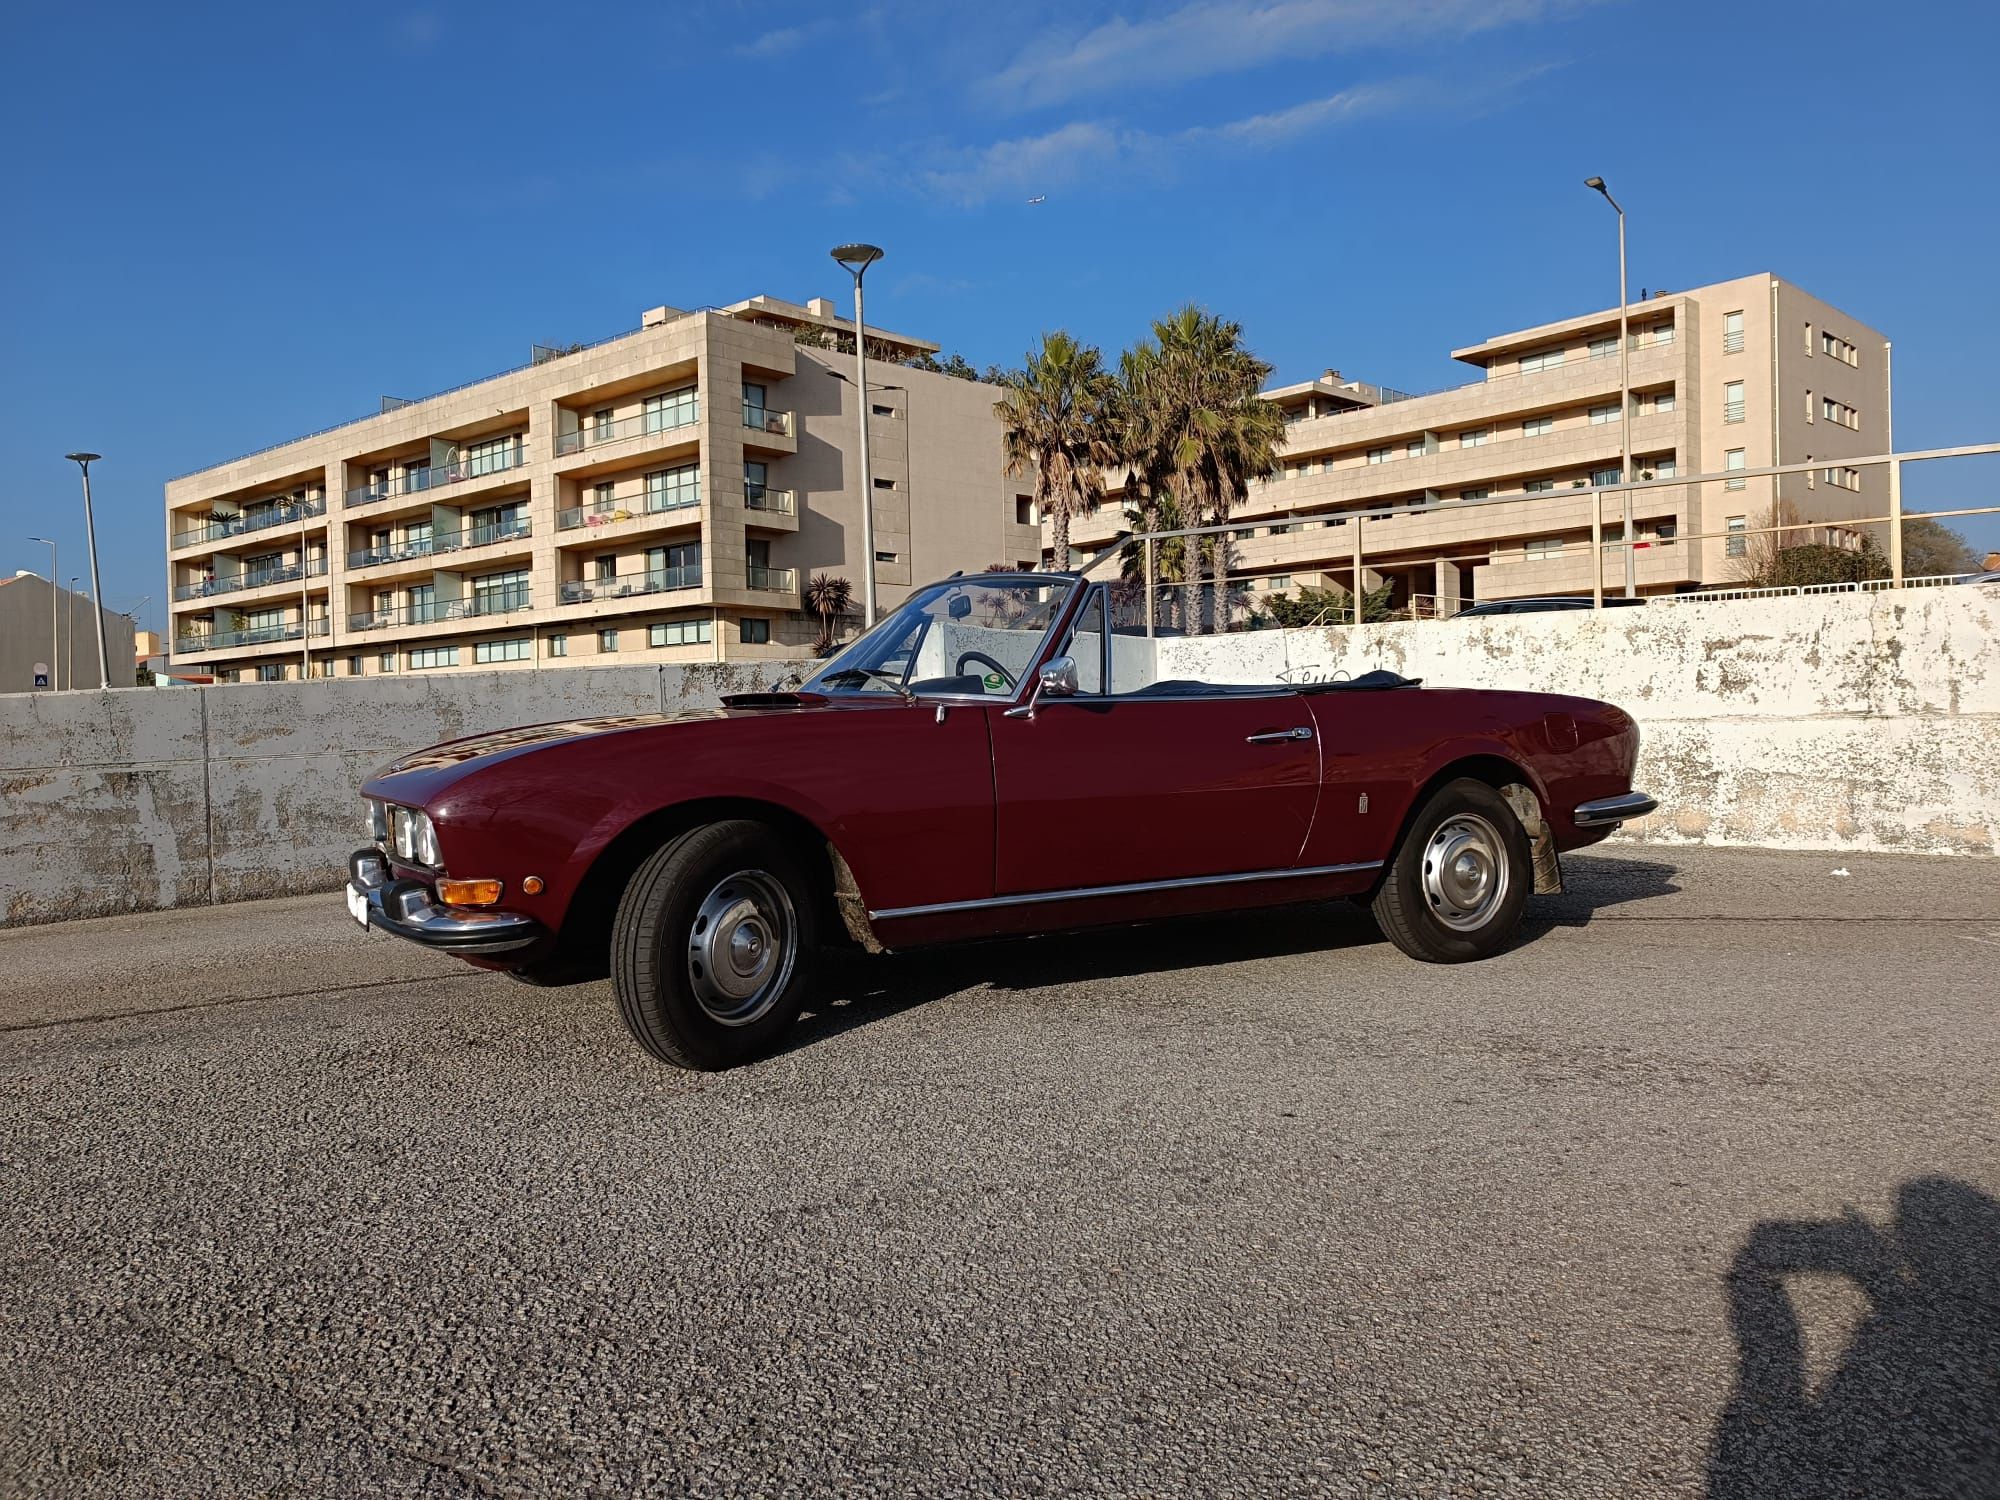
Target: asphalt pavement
1696 1191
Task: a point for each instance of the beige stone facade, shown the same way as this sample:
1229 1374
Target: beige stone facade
1748 373
663 495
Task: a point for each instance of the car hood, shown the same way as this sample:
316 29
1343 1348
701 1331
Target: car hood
507 742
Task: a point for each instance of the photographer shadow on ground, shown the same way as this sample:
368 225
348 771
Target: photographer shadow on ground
1913 1408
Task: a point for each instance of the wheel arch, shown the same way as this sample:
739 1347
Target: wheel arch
1523 793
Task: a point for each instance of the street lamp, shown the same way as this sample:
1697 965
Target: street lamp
1624 411
856 259
55 635
83 461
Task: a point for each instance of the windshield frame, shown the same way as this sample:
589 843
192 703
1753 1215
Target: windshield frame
1073 590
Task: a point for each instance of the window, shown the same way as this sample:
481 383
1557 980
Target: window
1844 478
1537 486
1665 468
491 455
1542 547
559 645
1278 581
606 566
423 658
271 672
1809 406
1326 464
1666 531
1605 347
1732 401
670 489
1414 448
1602 477
885 557
388 661
1542 359
1479 493
600 424
1536 426
607 640
681 408
753 630
1733 459
1836 347
491 651
1663 401
1732 332
681 633
882 411
1378 455
1809 341
603 497
1599 415
755 416
1085 648
353 666
884 484
423 603
1663 333
496 593
1024 510
1839 411
1737 546
1476 438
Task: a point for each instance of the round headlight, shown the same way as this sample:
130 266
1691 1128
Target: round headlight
426 841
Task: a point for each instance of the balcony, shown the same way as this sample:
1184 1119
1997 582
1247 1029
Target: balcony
640 505
439 476
767 419
220 640
659 581
236 583
774 502
646 424
771 580
261 519
437 611
448 541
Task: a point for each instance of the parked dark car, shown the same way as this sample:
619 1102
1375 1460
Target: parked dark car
1553 602
988 760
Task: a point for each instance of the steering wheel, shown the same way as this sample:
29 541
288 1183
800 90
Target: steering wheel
980 656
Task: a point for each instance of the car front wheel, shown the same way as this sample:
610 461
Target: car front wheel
711 948
1460 879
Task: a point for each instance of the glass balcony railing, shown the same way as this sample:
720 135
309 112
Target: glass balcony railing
659 581
436 611
255 518
773 580
236 583
762 497
646 424
767 419
444 541
438 476
264 635
597 514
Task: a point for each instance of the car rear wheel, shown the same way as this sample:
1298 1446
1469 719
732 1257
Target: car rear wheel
1460 879
710 950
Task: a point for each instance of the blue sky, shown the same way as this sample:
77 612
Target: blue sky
230 225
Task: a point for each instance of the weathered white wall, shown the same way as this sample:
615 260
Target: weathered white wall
142 799
1832 722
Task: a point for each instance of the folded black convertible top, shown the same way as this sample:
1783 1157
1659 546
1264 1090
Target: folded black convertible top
1367 682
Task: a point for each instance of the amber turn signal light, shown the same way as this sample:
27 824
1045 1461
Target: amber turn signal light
532 885
468 892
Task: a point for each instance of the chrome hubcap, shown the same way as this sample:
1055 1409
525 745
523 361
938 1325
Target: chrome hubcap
741 947
1465 871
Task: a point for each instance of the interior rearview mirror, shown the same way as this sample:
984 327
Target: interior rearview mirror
960 606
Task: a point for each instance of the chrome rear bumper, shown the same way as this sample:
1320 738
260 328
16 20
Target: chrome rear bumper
405 908
1608 812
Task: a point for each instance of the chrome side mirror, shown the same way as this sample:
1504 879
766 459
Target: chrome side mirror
1057 679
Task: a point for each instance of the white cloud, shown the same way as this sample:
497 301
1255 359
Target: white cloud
1211 37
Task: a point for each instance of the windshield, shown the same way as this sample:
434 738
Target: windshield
974 637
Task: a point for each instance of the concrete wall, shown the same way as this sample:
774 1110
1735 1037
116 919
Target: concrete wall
1863 722
136 800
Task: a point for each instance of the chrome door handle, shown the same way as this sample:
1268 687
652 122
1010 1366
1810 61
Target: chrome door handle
1279 736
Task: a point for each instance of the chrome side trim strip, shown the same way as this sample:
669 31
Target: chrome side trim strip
1612 810
1136 888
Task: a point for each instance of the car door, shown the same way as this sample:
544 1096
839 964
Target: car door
1118 789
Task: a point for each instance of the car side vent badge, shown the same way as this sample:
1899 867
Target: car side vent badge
1362 806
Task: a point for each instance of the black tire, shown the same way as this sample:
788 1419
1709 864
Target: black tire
1436 906
733 884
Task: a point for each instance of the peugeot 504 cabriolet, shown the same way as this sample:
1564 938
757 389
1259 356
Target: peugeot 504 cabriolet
995 757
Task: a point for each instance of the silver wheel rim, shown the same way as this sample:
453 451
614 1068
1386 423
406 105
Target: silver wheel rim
741 947
1465 872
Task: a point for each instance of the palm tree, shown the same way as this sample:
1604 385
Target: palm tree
1193 425
1055 423
827 596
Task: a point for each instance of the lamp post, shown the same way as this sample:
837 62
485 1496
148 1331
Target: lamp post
83 461
55 635
69 618
1624 410
856 259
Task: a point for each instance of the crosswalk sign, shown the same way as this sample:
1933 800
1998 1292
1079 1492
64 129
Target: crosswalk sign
41 674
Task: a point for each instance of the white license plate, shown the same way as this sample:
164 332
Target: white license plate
357 906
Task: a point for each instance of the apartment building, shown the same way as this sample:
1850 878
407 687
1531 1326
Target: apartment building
662 495
1743 374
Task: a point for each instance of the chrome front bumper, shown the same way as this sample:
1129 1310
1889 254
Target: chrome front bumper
1609 812
405 908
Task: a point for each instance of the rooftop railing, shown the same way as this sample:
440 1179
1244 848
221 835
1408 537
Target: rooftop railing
437 476
658 581
440 542
437 611
236 583
645 424
259 518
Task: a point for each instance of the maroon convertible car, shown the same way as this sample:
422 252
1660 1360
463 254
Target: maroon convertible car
990 759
